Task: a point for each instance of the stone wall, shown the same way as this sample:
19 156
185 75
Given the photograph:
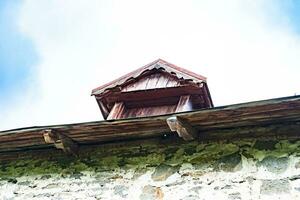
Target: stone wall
244 169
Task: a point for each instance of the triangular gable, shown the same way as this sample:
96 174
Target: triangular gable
165 66
154 80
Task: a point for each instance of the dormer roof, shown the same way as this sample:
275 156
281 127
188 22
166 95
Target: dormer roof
159 64
154 89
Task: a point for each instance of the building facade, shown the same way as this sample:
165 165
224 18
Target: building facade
244 151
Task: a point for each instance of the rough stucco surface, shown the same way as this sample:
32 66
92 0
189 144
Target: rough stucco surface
245 169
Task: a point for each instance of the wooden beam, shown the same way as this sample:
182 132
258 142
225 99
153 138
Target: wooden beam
60 141
154 93
103 107
207 121
116 111
182 127
184 104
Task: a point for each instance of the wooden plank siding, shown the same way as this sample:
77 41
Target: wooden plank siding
160 65
155 80
148 111
184 104
116 111
275 117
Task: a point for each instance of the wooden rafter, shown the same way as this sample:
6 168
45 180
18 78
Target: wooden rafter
60 141
184 104
182 127
116 111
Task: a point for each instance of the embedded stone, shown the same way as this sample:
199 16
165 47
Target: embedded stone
42 196
297 189
273 164
121 191
190 197
235 196
226 187
51 186
27 183
76 175
12 180
175 183
122 170
295 177
45 177
196 189
151 193
275 186
297 165
162 172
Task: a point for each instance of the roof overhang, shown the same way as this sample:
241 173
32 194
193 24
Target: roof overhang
279 118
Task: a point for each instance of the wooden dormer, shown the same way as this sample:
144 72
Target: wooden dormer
155 89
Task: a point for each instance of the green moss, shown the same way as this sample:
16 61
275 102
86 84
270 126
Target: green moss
281 149
288 146
111 162
177 158
200 147
212 152
150 155
152 159
79 166
29 167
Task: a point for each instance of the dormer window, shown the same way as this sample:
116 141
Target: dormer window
155 89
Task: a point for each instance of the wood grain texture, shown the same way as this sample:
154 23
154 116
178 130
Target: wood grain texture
117 111
154 80
159 80
275 117
157 65
154 93
60 141
184 104
149 111
182 127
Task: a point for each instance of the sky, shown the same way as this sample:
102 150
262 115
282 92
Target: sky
53 53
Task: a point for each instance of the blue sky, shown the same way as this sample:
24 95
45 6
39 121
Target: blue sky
52 53
293 10
17 53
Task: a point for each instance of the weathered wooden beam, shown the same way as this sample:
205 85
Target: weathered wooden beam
184 104
103 107
60 141
154 93
182 127
116 111
208 122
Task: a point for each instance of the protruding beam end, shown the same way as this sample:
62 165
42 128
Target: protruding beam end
60 141
182 127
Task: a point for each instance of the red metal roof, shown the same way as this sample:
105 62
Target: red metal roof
157 64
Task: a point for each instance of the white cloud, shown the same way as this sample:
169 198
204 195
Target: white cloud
247 49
